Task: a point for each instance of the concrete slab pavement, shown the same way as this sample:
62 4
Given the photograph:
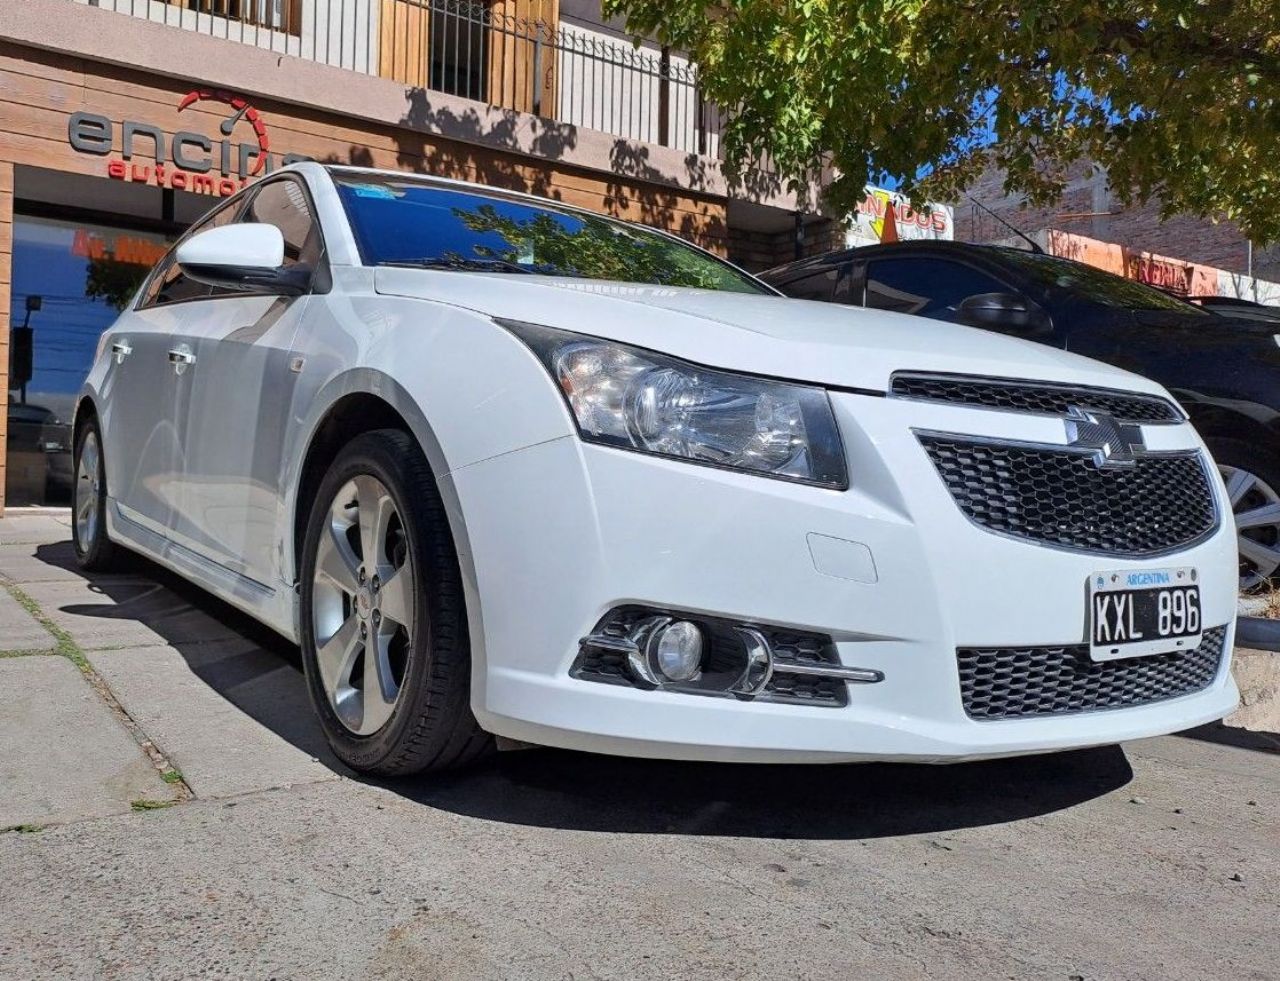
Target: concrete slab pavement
105 613
19 630
66 756
44 562
203 702
34 528
232 715
555 865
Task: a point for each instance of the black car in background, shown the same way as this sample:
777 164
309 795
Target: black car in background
1230 306
1225 370
39 469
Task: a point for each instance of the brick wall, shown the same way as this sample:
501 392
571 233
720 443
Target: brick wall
758 251
1087 207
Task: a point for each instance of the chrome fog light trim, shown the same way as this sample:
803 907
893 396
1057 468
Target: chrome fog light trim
742 660
861 676
759 663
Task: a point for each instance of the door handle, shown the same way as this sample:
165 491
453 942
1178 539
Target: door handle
180 357
121 349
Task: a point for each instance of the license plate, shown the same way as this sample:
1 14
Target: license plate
1151 611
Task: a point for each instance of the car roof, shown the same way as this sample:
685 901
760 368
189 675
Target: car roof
864 252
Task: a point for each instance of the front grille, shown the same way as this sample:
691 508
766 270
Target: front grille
1060 497
1014 682
1036 397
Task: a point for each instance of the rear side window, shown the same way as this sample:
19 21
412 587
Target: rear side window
828 285
925 287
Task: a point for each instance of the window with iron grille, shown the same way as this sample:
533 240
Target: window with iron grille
276 15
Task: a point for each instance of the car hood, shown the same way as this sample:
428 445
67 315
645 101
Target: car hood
801 340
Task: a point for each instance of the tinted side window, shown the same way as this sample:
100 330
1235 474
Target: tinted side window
925 287
283 203
829 284
168 284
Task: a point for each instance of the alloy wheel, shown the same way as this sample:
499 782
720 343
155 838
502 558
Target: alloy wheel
1256 505
363 605
88 480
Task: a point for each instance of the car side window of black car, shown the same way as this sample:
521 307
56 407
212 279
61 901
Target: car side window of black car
168 284
829 284
926 287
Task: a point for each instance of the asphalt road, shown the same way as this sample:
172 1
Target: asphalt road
259 858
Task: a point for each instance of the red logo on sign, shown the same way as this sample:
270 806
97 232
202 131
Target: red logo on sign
242 111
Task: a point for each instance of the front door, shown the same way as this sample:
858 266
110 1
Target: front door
241 387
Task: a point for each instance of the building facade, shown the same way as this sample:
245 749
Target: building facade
122 121
1089 208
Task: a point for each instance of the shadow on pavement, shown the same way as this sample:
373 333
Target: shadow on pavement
251 666
260 673
557 789
1215 732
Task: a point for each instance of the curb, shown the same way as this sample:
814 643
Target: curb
1259 633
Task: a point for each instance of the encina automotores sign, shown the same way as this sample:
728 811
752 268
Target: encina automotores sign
183 161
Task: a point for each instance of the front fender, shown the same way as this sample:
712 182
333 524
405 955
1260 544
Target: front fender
467 389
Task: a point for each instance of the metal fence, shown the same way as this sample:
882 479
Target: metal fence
568 72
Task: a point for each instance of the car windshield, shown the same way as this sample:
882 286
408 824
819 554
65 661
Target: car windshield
407 222
1101 287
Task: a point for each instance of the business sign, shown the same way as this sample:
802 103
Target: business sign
132 250
184 160
1167 274
887 216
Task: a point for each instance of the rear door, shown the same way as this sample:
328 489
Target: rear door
143 400
241 387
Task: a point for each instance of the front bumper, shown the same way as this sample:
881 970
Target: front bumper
560 533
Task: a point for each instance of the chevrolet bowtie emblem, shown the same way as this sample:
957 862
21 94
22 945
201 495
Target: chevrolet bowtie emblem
1113 443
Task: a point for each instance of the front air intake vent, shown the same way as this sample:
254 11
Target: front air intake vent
1019 682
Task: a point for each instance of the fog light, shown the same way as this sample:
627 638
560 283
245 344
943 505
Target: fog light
677 650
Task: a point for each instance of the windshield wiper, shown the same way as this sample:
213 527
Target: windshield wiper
461 264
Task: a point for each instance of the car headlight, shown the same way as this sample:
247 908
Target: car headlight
639 400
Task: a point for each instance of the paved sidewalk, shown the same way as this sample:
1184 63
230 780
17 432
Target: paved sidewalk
175 813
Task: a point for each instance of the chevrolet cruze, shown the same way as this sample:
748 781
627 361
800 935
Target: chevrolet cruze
506 468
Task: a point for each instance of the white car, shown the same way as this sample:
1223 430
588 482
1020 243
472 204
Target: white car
506 468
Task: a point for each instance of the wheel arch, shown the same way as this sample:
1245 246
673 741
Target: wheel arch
1215 421
86 408
355 402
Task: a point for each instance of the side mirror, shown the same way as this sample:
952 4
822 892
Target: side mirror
1009 312
248 258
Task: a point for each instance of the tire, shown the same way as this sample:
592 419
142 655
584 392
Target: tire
381 490
94 550
1261 487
